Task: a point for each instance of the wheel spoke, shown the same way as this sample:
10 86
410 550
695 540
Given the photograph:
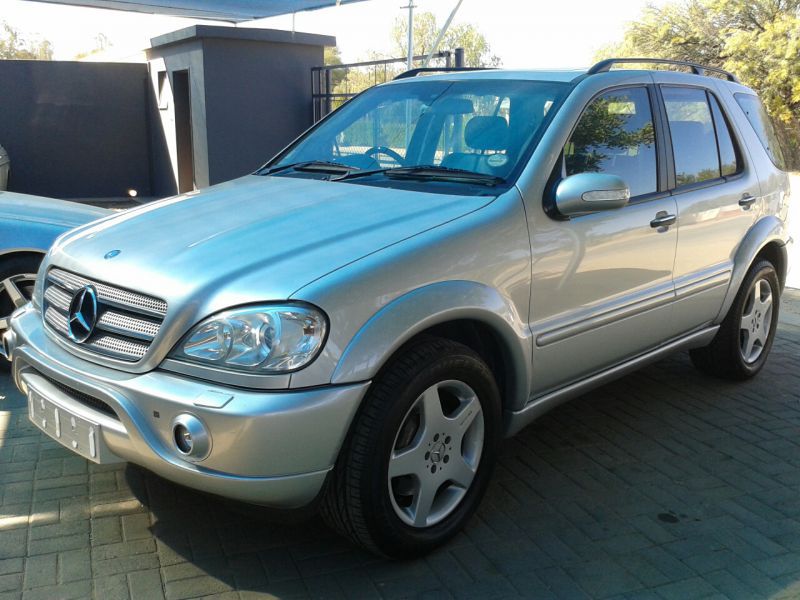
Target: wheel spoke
460 473
746 322
3 324
432 415
461 421
748 344
406 462
13 292
423 501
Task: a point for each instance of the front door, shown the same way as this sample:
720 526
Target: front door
602 286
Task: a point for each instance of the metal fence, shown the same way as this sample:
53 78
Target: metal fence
333 85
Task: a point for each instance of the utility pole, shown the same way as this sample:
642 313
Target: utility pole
410 61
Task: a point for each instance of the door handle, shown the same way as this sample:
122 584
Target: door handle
663 219
747 201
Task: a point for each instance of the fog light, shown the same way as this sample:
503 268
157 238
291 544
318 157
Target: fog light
191 438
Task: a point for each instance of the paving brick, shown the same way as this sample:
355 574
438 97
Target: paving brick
41 570
145 585
74 566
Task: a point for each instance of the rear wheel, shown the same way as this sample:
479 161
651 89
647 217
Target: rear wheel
742 344
421 451
17 278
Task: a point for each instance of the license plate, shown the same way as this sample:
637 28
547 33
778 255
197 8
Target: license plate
80 435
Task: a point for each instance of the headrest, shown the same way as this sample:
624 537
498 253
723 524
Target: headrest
487 133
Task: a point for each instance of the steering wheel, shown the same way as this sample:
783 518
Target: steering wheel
375 150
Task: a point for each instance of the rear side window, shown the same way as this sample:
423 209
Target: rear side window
694 142
729 161
763 127
615 135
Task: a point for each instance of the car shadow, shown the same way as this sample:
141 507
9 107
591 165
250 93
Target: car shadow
622 490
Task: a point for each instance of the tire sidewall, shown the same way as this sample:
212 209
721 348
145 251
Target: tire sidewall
390 533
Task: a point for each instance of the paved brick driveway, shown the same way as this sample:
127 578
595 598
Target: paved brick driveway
665 484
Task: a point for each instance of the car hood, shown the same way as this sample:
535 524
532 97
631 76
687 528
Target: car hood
22 207
251 239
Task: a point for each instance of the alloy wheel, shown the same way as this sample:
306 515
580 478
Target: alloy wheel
756 321
15 291
436 453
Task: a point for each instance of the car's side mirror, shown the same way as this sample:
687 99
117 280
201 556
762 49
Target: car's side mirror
590 192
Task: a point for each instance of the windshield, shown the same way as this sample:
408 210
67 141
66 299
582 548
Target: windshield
433 128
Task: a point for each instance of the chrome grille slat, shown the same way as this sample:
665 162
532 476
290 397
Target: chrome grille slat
107 293
117 322
117 346
127 322
58 298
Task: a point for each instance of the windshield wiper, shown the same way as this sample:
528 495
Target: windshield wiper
323 166
427 172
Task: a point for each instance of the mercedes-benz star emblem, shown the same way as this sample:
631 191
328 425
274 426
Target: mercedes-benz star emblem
82 314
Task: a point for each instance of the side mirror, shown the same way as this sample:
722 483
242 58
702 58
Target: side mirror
591 192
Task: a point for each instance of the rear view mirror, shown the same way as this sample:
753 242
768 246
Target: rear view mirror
591 192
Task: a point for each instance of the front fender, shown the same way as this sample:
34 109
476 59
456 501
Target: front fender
416 311
767 230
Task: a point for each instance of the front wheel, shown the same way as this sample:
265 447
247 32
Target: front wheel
742 344
421 451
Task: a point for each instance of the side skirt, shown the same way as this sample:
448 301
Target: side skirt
517 420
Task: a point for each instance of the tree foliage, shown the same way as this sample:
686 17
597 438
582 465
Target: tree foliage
477 52
15 46
759 40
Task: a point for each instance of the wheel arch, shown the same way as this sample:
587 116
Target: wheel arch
473 314
19 252
766 239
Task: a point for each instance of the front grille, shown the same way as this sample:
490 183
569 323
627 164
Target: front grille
84 399
127 322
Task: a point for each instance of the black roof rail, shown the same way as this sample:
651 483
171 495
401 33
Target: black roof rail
421 70
605 65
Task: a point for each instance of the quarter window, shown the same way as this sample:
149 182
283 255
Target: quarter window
691 127
762 125
615 135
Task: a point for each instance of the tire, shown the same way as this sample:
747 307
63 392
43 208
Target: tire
398 418
19 272
737 352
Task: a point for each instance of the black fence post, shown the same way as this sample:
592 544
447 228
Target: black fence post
459 58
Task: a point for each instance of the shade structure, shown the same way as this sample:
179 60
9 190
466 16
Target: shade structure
222 10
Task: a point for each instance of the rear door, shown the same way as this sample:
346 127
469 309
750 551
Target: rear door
716 194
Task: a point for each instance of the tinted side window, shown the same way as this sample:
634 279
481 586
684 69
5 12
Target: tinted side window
728 156
762 124
694 143
615 135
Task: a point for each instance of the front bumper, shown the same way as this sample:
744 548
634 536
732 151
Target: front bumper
273 448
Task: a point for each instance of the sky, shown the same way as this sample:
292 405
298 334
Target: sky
523 33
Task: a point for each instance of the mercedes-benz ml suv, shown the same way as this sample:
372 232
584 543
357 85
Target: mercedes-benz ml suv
423 272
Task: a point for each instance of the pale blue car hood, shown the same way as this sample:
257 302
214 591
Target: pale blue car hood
251 239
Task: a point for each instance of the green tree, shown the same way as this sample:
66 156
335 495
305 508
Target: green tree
477 52
15 46
759 40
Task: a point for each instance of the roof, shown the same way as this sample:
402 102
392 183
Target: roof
220 10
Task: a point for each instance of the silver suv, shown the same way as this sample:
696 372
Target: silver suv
425 271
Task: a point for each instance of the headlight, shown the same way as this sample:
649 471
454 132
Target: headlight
263 339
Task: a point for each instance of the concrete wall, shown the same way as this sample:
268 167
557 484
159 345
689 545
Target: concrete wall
256 108
250 93
82 130
75 129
